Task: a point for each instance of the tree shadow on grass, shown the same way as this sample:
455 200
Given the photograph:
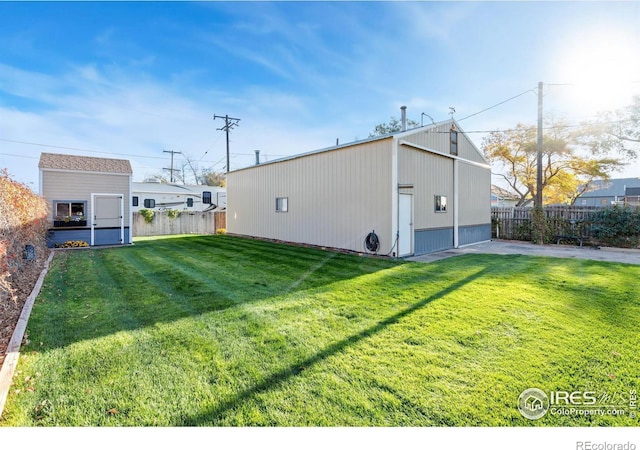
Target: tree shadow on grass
277 379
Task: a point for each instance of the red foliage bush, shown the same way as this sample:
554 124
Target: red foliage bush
23 221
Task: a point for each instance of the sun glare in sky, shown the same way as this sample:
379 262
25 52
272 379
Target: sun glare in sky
601 69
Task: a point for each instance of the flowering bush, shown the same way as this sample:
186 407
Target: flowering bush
23 221
221 231
73 244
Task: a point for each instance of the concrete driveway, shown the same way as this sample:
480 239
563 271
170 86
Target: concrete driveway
499 247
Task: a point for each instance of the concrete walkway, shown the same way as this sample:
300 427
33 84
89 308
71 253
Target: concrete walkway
498 247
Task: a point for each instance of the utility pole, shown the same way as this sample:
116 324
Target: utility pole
229 123
171 170
538 201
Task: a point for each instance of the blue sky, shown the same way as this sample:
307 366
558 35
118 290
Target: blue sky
129 80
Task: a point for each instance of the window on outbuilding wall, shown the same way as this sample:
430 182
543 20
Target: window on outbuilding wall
454 140
440 204
282 204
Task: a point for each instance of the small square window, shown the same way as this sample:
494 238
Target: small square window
441 203
206 197
603 202
282 204
149 203
189 202
135 201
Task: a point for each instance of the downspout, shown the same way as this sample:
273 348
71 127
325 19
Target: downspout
456 219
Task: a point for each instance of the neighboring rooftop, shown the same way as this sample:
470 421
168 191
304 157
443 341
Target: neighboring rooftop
499 192
611 188
84 163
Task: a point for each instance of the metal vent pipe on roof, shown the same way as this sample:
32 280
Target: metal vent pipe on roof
403 110
257 157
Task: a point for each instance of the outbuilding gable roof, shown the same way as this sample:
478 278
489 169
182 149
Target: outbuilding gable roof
395 134
58 161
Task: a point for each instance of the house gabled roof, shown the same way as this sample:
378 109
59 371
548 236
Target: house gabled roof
56 161
611 188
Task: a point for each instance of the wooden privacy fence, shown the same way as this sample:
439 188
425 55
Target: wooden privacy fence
186 223
515 223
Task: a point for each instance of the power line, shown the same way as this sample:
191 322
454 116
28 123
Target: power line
77 149
498 104
80 150
19 156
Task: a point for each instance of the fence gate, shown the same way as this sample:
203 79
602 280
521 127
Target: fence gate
107 219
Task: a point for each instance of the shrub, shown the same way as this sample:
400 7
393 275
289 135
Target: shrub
221 231
23 221
147 214
173 213
617 226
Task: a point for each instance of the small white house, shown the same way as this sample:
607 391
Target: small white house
152 194
89 199
406 193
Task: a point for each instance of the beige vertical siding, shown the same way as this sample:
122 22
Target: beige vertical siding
335 197
474 195
438 138
430 175
79 186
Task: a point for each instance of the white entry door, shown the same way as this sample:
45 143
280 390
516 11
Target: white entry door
107 212
405 225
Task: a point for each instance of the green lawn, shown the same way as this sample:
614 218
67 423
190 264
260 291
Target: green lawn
225 331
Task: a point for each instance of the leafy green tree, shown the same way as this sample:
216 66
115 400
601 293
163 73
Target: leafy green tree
392 126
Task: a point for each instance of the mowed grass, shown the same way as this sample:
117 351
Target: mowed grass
225 331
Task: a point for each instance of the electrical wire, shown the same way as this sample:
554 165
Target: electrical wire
498 104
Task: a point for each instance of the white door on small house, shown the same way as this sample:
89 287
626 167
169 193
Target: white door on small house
107 212
405 225
107 226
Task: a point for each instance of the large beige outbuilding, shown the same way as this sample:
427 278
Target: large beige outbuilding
410 192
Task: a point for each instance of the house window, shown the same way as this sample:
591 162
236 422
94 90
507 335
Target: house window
69 213
282 204
603 202
189 202
135 201
149 203
206 197
440 203
584 202
454 141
